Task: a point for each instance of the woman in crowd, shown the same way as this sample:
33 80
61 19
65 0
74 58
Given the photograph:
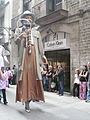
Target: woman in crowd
3 84
83 83
14 74
9 75
76 84
54 83
49 77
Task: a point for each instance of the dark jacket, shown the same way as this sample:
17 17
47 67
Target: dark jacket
61 75
83 79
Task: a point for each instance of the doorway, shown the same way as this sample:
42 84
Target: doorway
61 57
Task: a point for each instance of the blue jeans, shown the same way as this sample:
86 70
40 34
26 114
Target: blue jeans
88 91
61 87
44 82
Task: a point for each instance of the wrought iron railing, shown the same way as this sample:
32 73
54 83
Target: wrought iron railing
40 9
45 7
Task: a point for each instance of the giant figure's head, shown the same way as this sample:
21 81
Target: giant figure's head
28 15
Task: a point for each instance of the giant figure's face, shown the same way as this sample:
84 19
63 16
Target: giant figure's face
28 17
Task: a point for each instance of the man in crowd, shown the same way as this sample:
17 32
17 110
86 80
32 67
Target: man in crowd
14 73
88 83
61 78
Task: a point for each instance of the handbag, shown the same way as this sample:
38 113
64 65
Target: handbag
10 77
53 84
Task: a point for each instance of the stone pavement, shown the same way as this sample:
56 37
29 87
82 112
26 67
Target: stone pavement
55 108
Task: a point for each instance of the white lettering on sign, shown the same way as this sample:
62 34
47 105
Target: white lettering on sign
54 45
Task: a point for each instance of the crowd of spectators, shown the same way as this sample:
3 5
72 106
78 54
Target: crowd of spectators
53 79
81 87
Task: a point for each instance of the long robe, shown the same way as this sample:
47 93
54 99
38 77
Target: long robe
30 86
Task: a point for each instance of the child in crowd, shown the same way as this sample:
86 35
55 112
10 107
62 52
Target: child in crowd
76 84
3 84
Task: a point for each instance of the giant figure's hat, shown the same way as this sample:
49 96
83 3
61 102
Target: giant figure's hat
27 12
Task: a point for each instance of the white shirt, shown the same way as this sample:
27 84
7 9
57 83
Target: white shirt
76 79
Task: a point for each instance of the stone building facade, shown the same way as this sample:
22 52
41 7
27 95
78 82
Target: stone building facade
5 25
17 9
65 31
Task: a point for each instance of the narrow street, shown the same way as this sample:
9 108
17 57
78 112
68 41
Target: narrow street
55 108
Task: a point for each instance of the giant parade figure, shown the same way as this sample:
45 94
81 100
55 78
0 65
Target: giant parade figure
30 54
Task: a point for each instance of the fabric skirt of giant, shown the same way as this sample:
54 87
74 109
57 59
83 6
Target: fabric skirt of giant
29 88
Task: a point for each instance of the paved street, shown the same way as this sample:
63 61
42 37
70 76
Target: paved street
55 108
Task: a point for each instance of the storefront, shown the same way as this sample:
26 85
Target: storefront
57 53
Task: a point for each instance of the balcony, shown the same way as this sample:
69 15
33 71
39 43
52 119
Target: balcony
39 10
48 13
